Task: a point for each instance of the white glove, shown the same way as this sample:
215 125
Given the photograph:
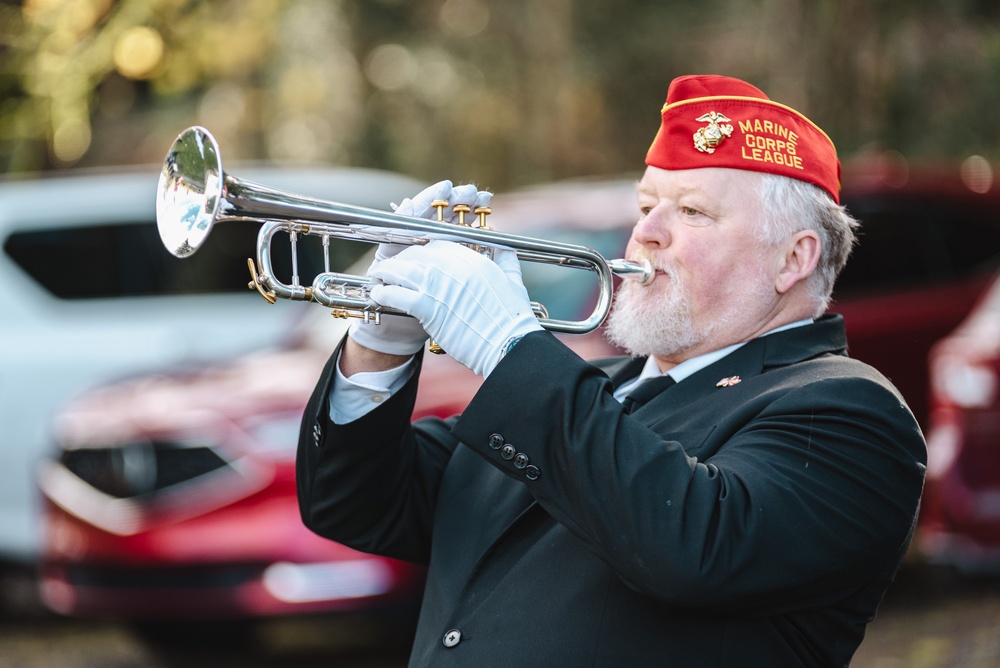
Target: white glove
395 334
471 305
399 335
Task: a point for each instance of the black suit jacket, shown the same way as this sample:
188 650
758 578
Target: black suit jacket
749 523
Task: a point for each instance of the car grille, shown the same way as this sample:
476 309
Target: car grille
138 469
226 575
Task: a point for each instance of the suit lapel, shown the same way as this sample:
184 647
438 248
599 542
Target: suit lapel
514 509
511 499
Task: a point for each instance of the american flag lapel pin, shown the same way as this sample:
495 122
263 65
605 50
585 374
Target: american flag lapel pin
728 382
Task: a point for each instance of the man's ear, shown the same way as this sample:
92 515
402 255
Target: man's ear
799 261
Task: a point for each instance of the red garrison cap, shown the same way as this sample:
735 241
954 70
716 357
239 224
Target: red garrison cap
716 121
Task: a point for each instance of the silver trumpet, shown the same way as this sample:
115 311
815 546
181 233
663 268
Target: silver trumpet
194 193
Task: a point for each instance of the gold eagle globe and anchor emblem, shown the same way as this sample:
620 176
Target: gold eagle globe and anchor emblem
710 136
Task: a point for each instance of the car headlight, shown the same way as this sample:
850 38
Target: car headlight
303 583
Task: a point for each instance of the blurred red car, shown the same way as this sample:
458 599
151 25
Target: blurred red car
960 521
172 495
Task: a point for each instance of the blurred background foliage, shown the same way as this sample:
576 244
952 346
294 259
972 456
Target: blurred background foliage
500 93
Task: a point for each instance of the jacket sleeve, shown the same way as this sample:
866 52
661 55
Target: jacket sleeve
812 488
371 484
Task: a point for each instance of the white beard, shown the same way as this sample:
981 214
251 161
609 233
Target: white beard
647 321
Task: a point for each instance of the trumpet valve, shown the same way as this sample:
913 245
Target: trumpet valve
461 210
481 213
440 205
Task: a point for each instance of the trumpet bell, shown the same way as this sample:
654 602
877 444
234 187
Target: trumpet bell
190 192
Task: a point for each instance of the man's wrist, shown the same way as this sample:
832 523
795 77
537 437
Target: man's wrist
509 344
356 358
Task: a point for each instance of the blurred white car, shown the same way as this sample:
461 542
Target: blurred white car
88 294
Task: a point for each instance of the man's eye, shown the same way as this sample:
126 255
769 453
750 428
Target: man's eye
694 217
644 210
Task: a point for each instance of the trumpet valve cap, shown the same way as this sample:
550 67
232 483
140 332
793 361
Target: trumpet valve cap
482 212
440 205
461 210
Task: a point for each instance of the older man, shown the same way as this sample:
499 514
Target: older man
749 510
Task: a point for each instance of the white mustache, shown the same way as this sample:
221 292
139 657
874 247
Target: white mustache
658 266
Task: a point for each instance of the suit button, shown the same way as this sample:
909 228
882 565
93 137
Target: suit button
532 472
452 638
496 440
520 460
508 451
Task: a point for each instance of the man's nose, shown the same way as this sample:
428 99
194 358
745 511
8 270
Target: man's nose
652 230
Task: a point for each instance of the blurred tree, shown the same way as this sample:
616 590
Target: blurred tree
498 93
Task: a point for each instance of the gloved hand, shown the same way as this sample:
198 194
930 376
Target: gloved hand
399 335
471 305
395 334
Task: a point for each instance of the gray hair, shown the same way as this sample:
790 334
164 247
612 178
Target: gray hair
791 205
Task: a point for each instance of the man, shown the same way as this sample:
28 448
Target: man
751 512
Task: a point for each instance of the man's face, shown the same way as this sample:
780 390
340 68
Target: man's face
715 280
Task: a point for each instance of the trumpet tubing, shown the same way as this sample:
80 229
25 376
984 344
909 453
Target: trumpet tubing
194 193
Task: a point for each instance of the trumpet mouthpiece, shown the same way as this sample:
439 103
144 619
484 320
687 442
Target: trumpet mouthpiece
641 271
